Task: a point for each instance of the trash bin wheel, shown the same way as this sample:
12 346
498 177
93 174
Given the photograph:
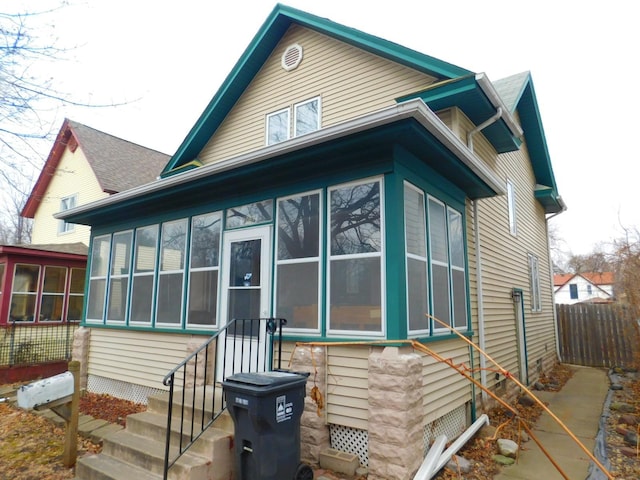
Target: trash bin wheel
303 472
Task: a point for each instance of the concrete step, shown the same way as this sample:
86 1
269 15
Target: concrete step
149 455
201 399
216 442
103 467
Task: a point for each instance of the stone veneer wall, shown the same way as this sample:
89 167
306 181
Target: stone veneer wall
396 415
196 367
80 352
314 431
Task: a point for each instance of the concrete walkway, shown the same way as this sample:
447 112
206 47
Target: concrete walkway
579 405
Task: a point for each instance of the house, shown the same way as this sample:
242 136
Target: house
590 287
350 185
85 165
42 284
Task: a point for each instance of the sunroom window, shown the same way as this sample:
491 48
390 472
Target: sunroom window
204 269
100 250
355 259
119 279
25 293
76 294
435 260
298 261
53 288
144 267
171 276
417 261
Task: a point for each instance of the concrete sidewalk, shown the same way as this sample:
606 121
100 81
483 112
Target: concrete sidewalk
579 405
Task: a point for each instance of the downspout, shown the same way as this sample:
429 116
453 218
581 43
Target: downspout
476 239
553 293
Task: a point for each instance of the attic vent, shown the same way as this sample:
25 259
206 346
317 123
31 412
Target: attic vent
292 57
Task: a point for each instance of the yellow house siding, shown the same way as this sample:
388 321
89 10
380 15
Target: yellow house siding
347 386
444 389
505 266
73 176
140 358
350 82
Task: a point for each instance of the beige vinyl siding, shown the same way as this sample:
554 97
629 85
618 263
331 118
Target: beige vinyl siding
73 176
373 83
141 358
348 386
444 389
505 266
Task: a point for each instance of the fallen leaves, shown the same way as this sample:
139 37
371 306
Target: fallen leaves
106 407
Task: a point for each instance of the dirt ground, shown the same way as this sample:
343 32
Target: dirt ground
32 446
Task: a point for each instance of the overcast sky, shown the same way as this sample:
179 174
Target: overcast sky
168 58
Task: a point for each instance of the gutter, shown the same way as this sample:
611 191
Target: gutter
476 234
415 109
490 91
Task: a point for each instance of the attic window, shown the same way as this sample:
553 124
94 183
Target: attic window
292 57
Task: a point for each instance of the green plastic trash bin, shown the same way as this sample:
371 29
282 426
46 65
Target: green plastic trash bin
266 408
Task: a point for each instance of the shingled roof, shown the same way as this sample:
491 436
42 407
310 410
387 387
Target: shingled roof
117 164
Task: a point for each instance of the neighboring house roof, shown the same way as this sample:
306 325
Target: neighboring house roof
596 278
517 93
262 45
599 278
117 164
59 250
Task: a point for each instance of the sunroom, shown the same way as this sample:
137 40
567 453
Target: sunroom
353 231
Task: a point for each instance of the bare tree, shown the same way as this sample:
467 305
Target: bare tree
27 99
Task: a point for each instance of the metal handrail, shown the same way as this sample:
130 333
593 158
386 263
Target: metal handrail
235 335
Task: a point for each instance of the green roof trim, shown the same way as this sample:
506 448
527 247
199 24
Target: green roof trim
519 92
466 94
263 43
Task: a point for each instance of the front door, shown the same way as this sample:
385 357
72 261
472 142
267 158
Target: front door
246 292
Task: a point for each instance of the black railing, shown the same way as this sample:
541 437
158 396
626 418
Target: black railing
23 343
243 345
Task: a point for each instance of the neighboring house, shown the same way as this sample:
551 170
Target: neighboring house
591 287
43 284
85 165
350 185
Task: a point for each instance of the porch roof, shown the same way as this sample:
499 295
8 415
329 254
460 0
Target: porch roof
410 124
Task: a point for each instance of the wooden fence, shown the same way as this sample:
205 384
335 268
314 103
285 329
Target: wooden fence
600 335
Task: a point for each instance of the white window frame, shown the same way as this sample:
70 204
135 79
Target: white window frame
119 276
98 277
317 259
380 254
268 126
165 273
208 268
511 207
534 283
291 112
135 275
297 107
423 259
67 203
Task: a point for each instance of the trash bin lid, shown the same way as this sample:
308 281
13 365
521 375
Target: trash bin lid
264 379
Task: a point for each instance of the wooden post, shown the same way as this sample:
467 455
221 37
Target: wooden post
71 435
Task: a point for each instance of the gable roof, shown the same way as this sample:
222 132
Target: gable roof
596 278
117 164
517 93
76 250
262 45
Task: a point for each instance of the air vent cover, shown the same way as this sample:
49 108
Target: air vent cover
292 57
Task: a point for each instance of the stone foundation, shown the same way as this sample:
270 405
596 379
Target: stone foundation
195 375
80 353
314 431
396 414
